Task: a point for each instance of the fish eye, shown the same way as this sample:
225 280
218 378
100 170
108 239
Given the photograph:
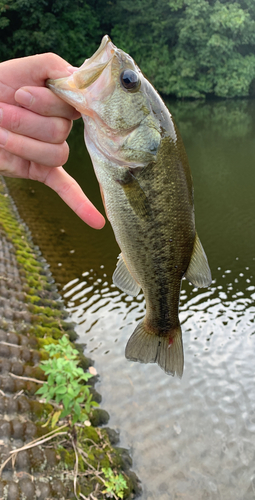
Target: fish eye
130 80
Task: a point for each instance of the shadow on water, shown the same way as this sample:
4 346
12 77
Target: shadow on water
194 438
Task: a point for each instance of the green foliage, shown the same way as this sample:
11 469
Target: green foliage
190 48
114 484
65 383
212 55
69 28
4 21
187 48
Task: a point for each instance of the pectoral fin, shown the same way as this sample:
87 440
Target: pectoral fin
123 279
135 195
198 272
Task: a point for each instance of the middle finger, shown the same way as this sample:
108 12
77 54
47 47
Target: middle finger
21 121
42 101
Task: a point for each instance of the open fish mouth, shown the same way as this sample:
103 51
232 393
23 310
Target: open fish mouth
68 87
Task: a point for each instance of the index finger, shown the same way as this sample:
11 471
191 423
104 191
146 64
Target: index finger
31 70
70 192
35 69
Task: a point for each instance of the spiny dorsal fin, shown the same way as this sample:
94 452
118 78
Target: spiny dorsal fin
149 348
123 279
198 272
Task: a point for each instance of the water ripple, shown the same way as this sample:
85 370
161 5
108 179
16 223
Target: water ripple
193 438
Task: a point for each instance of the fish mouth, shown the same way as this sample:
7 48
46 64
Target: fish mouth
70 87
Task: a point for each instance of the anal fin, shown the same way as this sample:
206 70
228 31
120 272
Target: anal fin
167 351
198 272
123 279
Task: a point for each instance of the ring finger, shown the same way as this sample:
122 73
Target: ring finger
51 155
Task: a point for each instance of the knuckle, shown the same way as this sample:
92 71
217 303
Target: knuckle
62 154
60 130
47 58
15 119
53 58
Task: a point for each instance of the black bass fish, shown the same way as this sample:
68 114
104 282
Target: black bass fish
146 186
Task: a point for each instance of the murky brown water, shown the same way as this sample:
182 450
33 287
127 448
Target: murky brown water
194 438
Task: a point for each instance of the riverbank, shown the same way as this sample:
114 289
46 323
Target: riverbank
32 316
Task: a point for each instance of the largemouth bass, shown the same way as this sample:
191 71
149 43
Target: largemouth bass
146 186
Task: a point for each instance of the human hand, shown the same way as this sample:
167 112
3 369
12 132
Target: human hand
34 126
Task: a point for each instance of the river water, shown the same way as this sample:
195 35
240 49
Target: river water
192 438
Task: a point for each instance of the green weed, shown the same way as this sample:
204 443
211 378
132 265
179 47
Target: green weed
115 485
66 383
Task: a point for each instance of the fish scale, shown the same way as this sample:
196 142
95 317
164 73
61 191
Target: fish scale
146 185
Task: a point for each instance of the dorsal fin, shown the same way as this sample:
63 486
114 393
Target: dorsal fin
198 272
123 279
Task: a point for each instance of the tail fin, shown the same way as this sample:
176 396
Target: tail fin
149 348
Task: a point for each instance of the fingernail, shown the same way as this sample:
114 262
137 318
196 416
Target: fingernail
24 97
1 115
3 136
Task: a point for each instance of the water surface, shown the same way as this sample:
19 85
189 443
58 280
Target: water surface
192 438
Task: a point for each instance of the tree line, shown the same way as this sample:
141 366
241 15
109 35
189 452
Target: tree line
187 48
